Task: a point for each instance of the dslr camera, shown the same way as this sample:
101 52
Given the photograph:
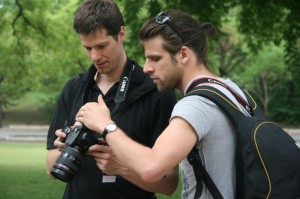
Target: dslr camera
78 140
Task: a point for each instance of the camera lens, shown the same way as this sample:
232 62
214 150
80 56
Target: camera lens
67 164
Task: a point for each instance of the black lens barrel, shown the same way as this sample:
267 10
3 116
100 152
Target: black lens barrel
67 164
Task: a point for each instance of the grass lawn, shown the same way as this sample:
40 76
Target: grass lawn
23 166
23 174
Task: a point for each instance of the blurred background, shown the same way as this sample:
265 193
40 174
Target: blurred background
257 46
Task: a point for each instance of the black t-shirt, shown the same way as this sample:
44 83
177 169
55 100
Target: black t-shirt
143 118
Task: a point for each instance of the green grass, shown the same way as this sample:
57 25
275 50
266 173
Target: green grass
23 166
23 174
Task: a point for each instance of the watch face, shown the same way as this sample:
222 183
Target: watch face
111 127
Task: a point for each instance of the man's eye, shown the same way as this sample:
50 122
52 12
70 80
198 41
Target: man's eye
155 59
101 46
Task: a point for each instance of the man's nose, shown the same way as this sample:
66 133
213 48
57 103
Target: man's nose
147 67
95 55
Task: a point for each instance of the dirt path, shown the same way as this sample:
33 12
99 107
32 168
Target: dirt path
24 133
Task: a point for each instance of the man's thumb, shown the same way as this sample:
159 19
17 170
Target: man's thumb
100 99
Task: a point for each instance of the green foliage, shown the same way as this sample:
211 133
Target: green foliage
268 21
43 51
48 107
270 82
285 103
31 109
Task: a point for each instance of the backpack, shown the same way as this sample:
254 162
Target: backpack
267 158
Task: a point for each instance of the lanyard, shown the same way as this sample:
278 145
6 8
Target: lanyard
123 86
122 89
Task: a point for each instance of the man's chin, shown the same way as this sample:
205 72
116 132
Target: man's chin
162 88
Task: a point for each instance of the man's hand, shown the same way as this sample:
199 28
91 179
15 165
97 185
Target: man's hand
95 116
106 160
58 142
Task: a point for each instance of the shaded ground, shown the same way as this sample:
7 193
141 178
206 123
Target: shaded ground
38 133
24 133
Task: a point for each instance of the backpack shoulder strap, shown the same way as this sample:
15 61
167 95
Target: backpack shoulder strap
209 81
201 174
221 100
234 113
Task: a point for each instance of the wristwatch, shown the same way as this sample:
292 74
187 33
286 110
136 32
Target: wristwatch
109 128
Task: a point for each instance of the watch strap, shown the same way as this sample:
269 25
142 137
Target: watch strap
104 134
106 131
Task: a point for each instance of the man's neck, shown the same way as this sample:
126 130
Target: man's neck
192 73
106 81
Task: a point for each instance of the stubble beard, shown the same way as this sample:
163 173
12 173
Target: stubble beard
170 81
172 78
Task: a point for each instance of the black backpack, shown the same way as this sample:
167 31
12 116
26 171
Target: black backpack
267 158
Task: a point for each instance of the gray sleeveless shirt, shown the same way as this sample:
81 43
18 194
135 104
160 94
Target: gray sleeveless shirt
215 142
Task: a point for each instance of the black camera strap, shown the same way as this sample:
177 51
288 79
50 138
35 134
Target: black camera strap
123 86
122 89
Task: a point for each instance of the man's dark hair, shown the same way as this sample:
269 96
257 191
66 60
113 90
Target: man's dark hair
93 15
193 35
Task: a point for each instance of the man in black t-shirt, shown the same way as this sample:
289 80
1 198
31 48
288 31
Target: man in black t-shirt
136 105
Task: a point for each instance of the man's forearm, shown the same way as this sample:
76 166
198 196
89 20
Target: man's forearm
166 185
51 158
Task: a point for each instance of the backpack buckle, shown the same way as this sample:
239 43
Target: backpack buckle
192 157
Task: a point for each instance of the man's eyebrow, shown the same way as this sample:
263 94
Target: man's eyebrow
153 56
98 44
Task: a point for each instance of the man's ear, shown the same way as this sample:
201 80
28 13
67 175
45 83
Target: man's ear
185 54
122 33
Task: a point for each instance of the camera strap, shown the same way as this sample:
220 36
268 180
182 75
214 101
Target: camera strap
123 86
122 89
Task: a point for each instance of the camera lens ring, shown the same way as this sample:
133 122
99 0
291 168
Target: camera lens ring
67 164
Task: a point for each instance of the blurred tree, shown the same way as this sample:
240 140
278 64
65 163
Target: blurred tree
274 21
54 51
263 75
43 50
39 49
261 23
13 72
257 25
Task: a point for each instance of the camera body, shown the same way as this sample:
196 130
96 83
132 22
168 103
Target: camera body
78 140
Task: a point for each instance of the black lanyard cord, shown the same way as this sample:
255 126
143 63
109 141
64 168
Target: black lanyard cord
122 89
123 86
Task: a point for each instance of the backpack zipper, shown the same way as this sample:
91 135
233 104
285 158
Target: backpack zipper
260 156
